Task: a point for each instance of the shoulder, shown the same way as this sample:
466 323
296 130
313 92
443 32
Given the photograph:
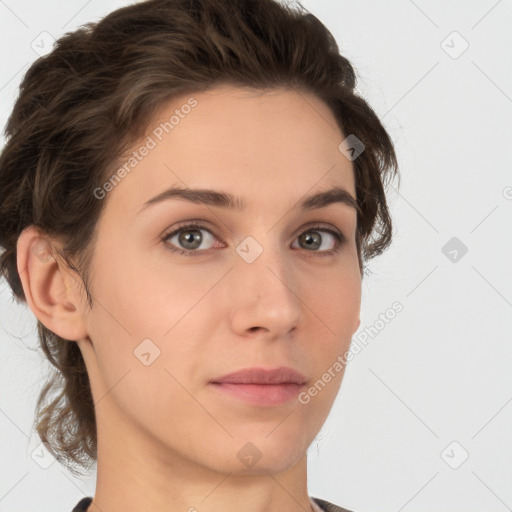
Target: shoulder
327 506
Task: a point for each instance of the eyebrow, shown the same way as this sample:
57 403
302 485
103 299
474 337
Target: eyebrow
221 199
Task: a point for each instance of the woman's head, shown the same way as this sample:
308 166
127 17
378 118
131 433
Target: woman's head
249 98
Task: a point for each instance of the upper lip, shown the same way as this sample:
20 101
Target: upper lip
255 375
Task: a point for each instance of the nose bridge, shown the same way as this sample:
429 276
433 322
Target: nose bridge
265 282
263 256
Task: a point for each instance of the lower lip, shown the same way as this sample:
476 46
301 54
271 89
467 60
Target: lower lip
261 394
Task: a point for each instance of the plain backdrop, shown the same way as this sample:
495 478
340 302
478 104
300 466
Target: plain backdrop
424 417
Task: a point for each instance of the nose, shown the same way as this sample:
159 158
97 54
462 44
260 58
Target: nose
264 296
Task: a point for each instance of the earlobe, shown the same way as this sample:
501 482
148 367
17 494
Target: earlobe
51 292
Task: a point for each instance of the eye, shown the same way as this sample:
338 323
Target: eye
312 238
189 237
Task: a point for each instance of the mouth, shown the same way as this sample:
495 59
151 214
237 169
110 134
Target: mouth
259 386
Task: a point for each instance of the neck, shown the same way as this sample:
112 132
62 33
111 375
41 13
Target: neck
139 475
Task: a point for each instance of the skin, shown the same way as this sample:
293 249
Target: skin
167 441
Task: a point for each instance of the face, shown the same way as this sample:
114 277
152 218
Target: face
270 285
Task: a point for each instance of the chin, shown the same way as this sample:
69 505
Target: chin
264 453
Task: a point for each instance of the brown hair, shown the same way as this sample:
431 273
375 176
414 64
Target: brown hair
81 106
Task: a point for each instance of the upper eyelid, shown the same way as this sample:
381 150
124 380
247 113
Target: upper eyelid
323 226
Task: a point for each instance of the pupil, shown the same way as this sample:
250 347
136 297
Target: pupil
312 240
189 237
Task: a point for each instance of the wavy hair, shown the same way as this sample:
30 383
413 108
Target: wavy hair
84 104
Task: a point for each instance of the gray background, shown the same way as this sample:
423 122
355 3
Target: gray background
432 386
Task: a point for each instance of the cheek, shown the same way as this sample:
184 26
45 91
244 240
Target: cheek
153 312
337 307
335 299
146 333
146 300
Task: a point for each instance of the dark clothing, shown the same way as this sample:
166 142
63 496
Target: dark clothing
326 506
82 505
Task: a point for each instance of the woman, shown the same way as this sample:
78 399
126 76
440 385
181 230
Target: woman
192 189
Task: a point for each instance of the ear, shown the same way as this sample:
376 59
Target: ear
52 291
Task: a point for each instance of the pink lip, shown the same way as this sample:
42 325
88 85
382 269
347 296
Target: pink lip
259 386
255 375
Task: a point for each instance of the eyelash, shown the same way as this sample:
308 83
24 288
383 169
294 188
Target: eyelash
339 238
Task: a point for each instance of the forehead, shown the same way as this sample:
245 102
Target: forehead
272 144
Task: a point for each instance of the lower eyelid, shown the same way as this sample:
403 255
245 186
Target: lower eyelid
338 236
177 231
